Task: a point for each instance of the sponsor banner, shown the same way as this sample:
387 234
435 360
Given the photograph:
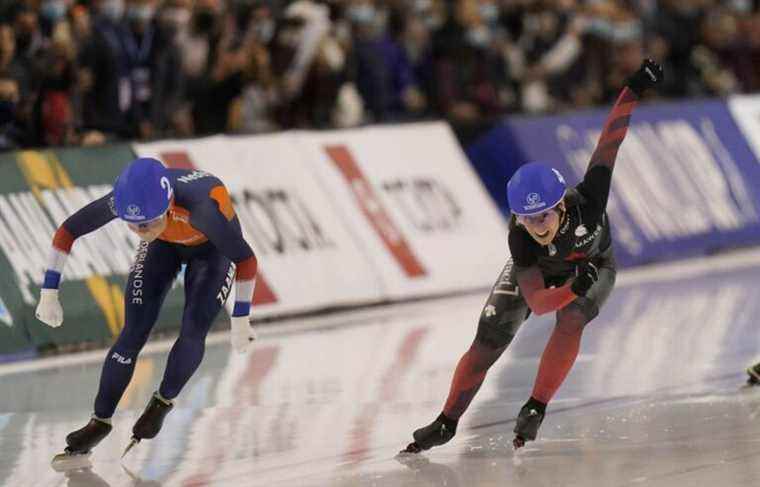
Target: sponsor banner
746 112
308 259
414 203
336 218
685 180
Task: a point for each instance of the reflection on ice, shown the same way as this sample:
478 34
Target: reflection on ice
654 400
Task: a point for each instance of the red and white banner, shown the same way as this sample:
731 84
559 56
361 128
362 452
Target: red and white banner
358 216
415 203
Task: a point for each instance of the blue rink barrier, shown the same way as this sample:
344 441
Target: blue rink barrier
686 182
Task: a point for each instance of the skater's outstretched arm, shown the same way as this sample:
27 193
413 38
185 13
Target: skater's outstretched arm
86 220
82 222
598 178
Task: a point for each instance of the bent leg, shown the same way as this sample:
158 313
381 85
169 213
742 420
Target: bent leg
504 312
564 344
204 278
149 280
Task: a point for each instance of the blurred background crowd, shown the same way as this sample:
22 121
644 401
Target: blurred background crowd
86 72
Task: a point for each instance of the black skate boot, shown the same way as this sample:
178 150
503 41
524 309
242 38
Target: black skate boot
149 423
436 433
80 444
754 375
528 421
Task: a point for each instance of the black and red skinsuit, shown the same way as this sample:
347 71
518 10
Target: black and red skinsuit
537 278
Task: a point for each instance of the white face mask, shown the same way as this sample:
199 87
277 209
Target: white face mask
479 36
264 30
176 17
113 9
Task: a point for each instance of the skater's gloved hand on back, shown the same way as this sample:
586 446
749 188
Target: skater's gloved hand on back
49 310
241 333
586 274
649 74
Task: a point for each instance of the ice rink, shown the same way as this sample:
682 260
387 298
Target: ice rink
655 399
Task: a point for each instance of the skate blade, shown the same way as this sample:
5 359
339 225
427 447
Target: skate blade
518 442
64 462
411 448
412 460
132 443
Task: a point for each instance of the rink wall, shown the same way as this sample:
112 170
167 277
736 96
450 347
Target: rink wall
687 178
336 218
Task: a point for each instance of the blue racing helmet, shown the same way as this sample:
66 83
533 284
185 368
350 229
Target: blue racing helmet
534 188
142 192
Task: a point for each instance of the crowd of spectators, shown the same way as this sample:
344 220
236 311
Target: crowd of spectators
86 72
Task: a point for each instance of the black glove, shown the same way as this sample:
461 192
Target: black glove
586 274
649 74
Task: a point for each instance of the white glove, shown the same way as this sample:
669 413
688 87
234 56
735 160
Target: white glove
49 309
241 333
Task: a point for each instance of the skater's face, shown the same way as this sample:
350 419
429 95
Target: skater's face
149 231
543 226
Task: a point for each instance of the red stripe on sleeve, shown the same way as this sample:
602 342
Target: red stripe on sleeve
62 240
246 270
615 128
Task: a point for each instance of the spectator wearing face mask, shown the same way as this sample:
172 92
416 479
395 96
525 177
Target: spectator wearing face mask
54 109
52 12
155 71
105 77
470 75
13 134
385 78
212 66
27 46
309 63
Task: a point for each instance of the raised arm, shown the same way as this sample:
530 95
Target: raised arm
596 183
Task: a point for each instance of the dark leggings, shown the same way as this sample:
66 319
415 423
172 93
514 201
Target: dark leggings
501 318
150 278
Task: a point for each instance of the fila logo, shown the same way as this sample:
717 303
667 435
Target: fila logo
120 359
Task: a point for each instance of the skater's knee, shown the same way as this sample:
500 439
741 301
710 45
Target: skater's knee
131 339
492 338
572 319
499 322
191 339
483 355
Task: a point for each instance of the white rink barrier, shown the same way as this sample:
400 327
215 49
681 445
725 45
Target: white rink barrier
356 216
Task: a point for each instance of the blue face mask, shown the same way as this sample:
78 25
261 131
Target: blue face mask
489 12
362 14
140 13
53 10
